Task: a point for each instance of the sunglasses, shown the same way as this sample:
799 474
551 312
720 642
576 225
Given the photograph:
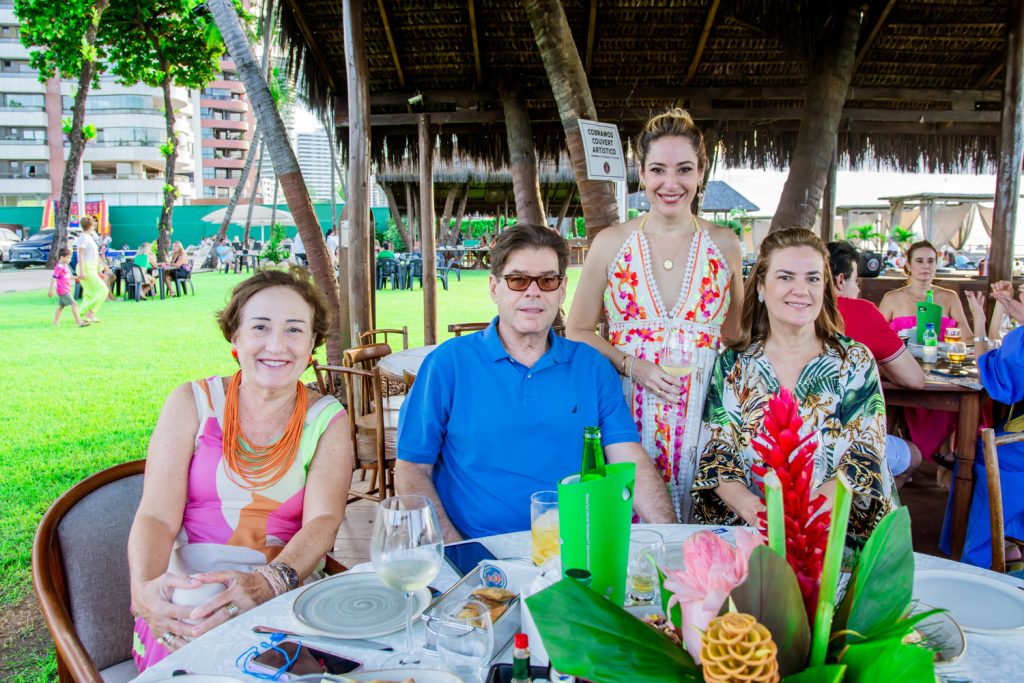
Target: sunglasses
521 283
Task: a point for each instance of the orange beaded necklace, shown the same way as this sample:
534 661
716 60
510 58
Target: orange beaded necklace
260 467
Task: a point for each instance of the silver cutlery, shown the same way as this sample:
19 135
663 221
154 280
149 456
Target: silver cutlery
345 642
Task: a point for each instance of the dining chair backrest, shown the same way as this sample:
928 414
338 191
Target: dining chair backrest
370 336
364 357
459 328
80 574
991 443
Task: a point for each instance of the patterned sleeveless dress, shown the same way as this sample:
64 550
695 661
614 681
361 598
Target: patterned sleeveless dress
637 321
226 526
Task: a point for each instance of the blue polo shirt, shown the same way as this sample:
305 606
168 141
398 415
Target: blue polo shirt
497 431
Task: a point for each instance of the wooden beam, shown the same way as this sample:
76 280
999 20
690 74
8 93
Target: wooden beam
991 74
391 41
428 244
313 45
875 30
469 98
591 29
766 115
477 69
1011 152
701 42
360 252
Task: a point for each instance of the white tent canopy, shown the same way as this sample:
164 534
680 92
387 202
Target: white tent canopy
260 216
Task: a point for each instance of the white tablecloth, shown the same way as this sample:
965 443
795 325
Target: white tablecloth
991 659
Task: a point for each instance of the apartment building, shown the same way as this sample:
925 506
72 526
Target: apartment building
122 165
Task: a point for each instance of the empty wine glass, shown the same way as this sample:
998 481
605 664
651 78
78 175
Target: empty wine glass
407 551
465 639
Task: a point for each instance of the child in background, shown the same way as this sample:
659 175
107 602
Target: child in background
61 282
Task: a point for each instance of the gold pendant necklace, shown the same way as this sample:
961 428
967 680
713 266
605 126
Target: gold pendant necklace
669 263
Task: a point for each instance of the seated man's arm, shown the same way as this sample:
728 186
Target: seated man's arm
904 370
416 479
650 495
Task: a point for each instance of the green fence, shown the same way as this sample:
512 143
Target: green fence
133 225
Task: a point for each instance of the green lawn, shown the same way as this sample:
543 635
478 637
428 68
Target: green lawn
74 401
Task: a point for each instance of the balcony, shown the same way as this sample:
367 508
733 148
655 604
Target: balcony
226 105
35 185
223 163
226 144
24 150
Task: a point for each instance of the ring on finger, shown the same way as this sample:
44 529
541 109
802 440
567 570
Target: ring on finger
232 609
167 638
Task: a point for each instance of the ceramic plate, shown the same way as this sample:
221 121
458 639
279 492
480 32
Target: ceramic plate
976 602
418 675
200 678
356 606
942 634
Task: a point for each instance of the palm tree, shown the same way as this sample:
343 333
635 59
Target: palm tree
830 77
572 94
286 166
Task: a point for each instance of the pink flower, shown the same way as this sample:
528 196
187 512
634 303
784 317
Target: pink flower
712 569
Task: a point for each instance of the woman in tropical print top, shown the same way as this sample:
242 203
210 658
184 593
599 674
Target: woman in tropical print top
792 323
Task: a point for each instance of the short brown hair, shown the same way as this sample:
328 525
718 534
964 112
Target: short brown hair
754 325
87 223
528 236
677 123
297 279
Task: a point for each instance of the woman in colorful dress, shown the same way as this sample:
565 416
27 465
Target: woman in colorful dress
666 273
245 477
791 339
90 271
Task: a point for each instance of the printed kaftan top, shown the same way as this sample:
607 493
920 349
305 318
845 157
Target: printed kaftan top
840 398
637 322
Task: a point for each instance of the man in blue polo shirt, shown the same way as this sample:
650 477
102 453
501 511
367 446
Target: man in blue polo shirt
498 415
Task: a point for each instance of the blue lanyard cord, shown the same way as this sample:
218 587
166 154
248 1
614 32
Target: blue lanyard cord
242 662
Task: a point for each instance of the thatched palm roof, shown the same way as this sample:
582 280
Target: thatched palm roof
925 94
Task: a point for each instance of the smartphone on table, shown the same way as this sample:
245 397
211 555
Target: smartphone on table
464 557
309 661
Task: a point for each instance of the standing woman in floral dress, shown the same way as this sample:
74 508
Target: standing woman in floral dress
666 272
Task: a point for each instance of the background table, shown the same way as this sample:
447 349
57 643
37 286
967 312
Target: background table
409 360
989 658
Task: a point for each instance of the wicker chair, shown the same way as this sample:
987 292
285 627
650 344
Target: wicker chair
370 336
80 575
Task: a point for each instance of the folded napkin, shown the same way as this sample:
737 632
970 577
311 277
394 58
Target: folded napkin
549 574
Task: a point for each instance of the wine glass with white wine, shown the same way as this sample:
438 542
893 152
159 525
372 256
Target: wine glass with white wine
407 550
677 353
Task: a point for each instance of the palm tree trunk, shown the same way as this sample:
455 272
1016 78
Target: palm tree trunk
163 243
396 215
823 107
446 215
572 94
286 166
250 156
77 139
252 195
457 225
522 159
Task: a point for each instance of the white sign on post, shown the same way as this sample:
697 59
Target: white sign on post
603 150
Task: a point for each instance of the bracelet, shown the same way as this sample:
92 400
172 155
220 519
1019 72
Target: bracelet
277 585
622 365
631 359
289 576
982 339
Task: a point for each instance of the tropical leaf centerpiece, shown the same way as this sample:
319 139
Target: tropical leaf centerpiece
759 612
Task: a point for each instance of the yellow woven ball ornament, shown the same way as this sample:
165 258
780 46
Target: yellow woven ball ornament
737 649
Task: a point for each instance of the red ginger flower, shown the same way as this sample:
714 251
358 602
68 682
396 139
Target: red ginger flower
791 457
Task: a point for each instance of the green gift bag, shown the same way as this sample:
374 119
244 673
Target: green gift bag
594 519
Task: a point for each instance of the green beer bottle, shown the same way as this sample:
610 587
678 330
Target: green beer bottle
593 455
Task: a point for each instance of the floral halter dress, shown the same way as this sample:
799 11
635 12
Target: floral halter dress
637 322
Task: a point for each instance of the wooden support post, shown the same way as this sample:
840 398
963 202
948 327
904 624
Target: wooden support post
1011 150
828 200
360 251
428 247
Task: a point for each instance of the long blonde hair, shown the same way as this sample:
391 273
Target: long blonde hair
754 323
